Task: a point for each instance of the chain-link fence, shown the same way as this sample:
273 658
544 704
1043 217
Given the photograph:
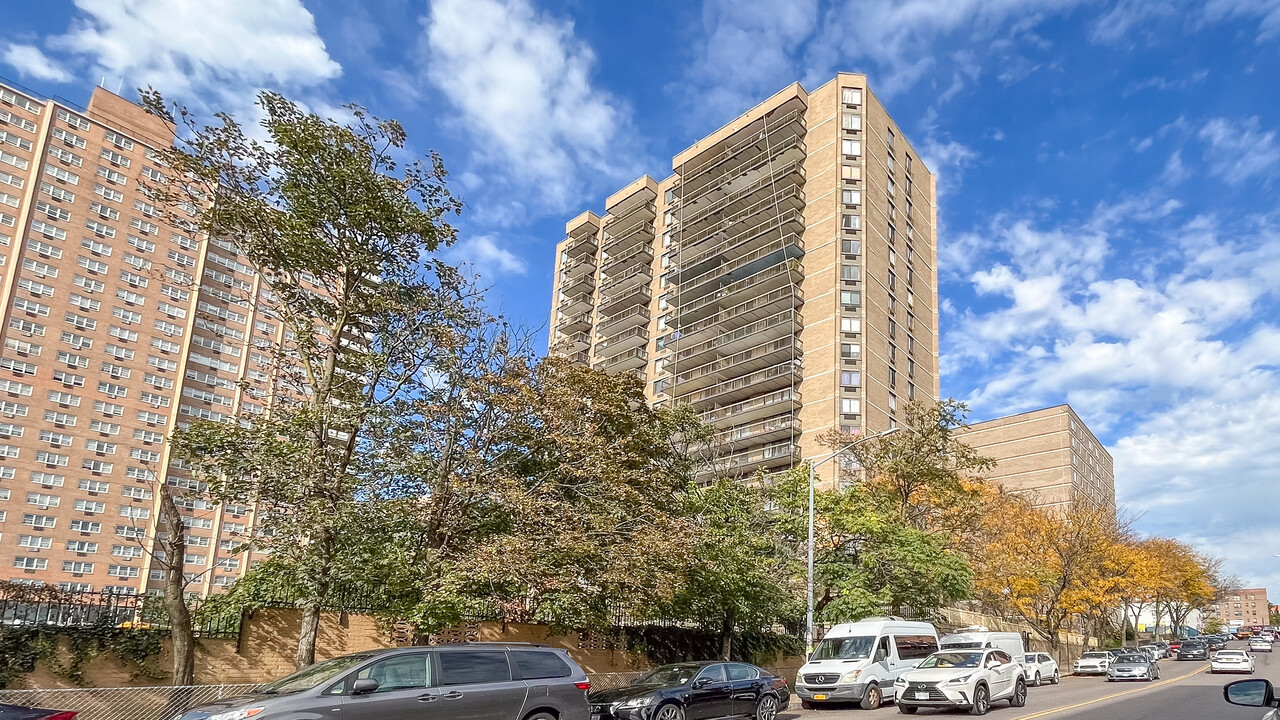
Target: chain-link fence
612 681
124 703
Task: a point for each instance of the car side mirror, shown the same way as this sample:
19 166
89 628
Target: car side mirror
701 682
364 686
1250 693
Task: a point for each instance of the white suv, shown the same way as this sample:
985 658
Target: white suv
971 679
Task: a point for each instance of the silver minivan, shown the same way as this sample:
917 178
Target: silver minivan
465 681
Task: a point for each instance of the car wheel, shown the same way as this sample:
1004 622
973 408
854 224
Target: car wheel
767 708
1036 682
541 716
670 711
981 701
907 709
1056 678
1019 697
1157 677
871 699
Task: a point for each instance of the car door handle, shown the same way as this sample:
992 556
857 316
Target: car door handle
427 698
452 695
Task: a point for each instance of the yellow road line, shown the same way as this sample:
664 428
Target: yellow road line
1045 713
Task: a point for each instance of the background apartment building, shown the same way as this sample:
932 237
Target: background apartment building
1049 455
782 281
1242 607
118 327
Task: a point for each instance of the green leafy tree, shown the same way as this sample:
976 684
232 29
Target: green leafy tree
338 232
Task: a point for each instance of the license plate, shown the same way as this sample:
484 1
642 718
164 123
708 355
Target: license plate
922 695
819 697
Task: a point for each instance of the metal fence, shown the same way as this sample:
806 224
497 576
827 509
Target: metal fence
48 607
125 703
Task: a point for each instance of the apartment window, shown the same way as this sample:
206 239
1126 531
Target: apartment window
850 173
850 406
850 351
26 563
893 329
850 298
35 542
851 247
850 378
911 391
893 403
91 506
851 197
850 324
851 121
890 137
851 96
851 148
851 222
893 377
851 273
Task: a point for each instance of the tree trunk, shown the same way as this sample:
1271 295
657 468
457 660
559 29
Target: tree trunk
726 635
307 637
181 632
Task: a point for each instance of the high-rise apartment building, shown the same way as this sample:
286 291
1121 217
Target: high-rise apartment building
782 281
1049 455
118 327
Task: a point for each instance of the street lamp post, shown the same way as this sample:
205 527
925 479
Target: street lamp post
813 466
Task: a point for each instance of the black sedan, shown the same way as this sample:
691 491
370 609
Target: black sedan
21 712
1193 650
709 689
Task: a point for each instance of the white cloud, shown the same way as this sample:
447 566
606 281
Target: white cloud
30 62
1240 151
191 48
521 81
483 255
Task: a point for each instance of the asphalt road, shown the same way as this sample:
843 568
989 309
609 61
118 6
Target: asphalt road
1185 691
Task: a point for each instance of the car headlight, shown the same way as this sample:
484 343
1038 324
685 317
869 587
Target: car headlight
638 702
960 680
851 676
236 714
900 681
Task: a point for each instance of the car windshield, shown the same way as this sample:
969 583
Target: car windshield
952 660
857 647
313 675
1095 656
678 674
1132 659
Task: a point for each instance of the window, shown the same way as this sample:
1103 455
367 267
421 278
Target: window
112 390
850 378
851 96
850 222
851 272
96 486
541 664
851 324
851 148
852 298
93 266
66 156
851 247
850 406
400 672
91 506
100 229
143 245
126 551
893 402
851 121
850 351
128 531
473 667
109 409
912 647
27 563
97 466
42 521
38 268
56 172
851 197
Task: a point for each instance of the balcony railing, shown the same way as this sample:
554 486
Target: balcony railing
771 404
575 303
785 320
642 251
575 322
766 180
790 197
764 353
627 360
756 431
775 454
613 322
784 248
739 388
629 294
628 338
751 137
787 273
695 189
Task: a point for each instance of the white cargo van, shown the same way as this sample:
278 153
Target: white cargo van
977 636
858 662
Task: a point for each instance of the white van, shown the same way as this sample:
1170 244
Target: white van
858 662
977 636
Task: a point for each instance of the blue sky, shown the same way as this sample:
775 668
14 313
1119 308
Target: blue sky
1108 172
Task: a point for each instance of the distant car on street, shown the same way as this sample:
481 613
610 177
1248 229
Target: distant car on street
710 689
1133 666
1232 661
1093 663
1260 644
1041 668
1193 650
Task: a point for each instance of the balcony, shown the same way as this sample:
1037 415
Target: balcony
581 358
760 382
624 296
571 304
629 338
574 323
789 122
779 250
611 323
779 150
770 429
788 272
768 328
740 194
757 308
581 282
784 400
583 243
746 361
769 456
637 254
578 341
627 360
746 220
619 235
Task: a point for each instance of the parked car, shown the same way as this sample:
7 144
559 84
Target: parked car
1174 645
1155 651
1231 661
1094 662
22 712
971 679
1164 647
1133 666
1260 644
858 662
1041 668
711 689
486 681
1193 650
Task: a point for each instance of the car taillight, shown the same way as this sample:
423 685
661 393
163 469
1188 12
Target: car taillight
64 715
583 685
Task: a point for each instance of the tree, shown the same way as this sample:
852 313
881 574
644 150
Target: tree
338 233
1214 625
